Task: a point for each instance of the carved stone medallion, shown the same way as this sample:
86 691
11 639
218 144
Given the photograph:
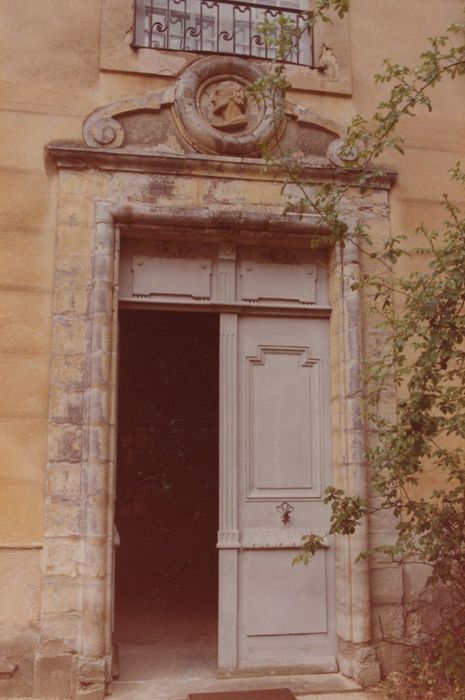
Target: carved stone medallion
215 112
224 104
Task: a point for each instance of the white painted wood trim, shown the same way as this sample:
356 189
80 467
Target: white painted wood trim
228 530
228 535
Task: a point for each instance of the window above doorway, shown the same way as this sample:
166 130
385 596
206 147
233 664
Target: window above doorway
222 26
130 44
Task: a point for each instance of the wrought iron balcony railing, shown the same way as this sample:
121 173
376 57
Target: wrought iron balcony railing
224 27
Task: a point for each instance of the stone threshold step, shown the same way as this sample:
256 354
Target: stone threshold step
143 693
169 688
276 694
346 695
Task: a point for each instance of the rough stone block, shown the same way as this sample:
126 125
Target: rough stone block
63 557
63 480
72 183
96 515
99 405
66 406
53 676
7 669
72 270
102 337
92 671
380 539
102 298
91 691
98 444
415 576
62 518
73 237
388 622
61 596
70 336
359 661
387 585
60 633
97 479
71 300
72 211
95 563
101 368
65 443
70 371
102 271
17 672
382 521
391 657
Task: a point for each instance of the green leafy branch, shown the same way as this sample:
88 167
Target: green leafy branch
420 371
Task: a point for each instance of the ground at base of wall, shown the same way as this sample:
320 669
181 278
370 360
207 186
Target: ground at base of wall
175 688
357 695
331 686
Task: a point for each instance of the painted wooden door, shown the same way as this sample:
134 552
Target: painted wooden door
285 614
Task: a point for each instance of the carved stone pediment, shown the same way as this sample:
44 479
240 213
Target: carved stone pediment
210 110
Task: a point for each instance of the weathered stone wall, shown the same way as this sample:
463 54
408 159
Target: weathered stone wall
52 78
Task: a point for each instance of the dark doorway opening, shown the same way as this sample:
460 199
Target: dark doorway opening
166 590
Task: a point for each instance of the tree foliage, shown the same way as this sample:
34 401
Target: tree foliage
421 318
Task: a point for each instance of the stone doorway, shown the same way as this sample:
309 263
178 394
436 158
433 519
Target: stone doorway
78 544
166 583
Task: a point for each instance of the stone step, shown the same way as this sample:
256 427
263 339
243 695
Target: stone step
169 688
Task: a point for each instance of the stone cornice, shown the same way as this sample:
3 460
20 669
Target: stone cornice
75 156
230 221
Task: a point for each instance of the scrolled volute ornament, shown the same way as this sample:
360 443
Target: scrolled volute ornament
100 130
342 155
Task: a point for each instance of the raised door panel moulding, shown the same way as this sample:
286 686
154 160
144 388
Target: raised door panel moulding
303 608
228 539
274 538
171 277
283 424
268 281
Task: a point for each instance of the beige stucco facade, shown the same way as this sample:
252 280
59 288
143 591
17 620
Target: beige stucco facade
61 211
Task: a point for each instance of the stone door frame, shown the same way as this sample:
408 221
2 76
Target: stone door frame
76 642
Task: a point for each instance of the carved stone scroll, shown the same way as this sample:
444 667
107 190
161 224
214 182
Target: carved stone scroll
102 128
210 110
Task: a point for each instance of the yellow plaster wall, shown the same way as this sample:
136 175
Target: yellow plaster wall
49 81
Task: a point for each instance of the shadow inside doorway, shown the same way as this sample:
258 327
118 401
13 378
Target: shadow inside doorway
166 592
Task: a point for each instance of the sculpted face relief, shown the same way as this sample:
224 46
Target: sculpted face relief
227 107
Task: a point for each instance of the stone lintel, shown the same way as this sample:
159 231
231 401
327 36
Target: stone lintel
75 156
232 221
